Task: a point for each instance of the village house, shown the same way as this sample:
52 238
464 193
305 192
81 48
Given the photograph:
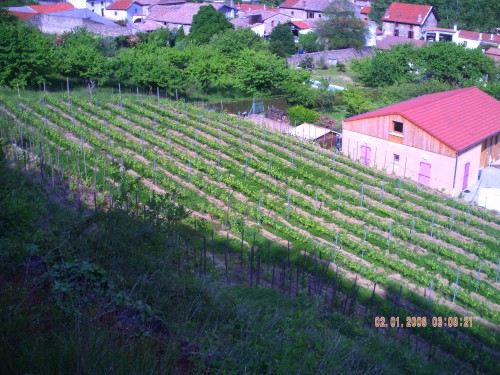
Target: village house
179 13
473 39
494 53
441 140
96 6
408 20
304 9
262 22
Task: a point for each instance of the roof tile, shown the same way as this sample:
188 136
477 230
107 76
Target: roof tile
407 13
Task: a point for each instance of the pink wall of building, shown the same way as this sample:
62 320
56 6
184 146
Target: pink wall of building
384 155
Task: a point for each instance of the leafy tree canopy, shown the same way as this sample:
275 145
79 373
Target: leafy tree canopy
281 41
340 27
232 42
206 23
444 61
309 42
80 55
26 55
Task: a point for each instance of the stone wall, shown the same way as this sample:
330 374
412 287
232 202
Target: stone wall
52 24
341 55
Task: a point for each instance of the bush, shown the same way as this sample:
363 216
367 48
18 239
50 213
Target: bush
299 114
307 63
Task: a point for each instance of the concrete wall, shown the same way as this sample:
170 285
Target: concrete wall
340 54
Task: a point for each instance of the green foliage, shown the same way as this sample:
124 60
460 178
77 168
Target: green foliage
404 91
151 67
80 55
309 42
160 38
206 23
298 93
281 41
299 114
356 101
232 42
307 63
180 34
207 67
340 28
258 72
446 62
26 55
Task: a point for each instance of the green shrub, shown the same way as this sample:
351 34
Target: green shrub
299 114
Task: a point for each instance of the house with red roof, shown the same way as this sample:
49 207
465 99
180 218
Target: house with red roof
408 20
96 6
364 12
441 140
123 10
28 11
494 53
474 39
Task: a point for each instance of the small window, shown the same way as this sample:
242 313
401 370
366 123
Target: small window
396 32
319 15
272 23
92 3
102 3
398 126
410 34
396 159
310 14
396 24
116 13
293 12
411 27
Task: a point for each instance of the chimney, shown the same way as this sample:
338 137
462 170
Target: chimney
480 36
455 26
492 37
419 18
264 6
231 3
386 15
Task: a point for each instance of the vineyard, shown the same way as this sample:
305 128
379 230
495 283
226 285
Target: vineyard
367 242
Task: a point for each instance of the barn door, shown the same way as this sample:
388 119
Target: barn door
424 174
466 176
365 155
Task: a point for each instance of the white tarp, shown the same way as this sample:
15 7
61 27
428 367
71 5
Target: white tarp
489 198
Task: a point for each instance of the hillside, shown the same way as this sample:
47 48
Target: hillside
265 210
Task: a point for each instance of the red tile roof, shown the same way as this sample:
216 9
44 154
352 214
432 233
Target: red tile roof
365 10
493 51
120 5
459 118
407 13
22 15
302 25
473 35
52 8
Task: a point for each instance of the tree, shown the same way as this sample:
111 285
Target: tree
356 101
80 55
232 42
207 67
281 41
309 42
206 23
340 27
26 55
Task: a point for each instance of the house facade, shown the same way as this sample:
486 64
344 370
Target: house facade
96 6
440 140
304 9
408 20
123 10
